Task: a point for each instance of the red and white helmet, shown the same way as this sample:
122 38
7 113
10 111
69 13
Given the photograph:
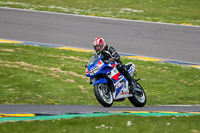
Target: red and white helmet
99 44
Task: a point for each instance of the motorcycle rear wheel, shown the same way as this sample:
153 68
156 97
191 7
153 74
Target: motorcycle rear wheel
103 94
137 100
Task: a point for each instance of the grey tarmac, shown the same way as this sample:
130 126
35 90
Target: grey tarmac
148 39
60 109
167 41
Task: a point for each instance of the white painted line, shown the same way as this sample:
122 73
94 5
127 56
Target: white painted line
106 18
182 105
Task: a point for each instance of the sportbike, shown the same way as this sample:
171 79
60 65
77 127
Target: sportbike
110 85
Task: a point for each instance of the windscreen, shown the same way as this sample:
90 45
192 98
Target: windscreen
93 60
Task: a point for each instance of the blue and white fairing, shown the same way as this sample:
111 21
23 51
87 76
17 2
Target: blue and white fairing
96 66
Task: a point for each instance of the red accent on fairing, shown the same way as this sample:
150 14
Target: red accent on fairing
116 76
123 93
100 63
113 65
86 72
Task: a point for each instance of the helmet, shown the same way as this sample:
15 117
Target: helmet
99 44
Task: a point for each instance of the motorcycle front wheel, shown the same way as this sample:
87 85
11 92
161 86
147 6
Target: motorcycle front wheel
138 100
103 94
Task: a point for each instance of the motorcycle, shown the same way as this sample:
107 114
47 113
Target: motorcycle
110 85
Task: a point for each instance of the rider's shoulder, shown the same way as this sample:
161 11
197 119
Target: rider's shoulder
111 49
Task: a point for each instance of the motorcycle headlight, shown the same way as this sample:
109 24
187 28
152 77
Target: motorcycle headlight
93 71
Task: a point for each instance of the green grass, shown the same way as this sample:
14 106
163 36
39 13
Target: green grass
110 124
170 11
41 75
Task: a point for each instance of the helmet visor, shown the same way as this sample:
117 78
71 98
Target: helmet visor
98 48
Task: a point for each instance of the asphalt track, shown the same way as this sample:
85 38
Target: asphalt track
150 39
60 109
168 41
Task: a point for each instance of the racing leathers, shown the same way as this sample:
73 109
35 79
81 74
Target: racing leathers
109 53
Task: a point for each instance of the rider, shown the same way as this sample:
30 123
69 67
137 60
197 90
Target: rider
109 52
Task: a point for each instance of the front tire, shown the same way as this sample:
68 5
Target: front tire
137 100
103 94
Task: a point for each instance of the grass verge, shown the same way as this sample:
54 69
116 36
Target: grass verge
41 75
111 124
170 11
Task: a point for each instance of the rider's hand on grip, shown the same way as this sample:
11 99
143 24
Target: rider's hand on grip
112 59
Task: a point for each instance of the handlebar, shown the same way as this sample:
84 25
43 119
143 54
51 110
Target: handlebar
111 60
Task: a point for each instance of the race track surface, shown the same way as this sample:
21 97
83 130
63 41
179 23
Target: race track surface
59 109
149 39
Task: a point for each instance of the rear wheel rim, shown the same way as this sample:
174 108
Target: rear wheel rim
142 98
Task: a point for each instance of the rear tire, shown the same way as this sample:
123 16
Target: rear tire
136 100
103 94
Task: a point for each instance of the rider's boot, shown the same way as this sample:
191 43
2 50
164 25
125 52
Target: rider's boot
132 83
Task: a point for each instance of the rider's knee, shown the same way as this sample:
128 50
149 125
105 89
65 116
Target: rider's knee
121 68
